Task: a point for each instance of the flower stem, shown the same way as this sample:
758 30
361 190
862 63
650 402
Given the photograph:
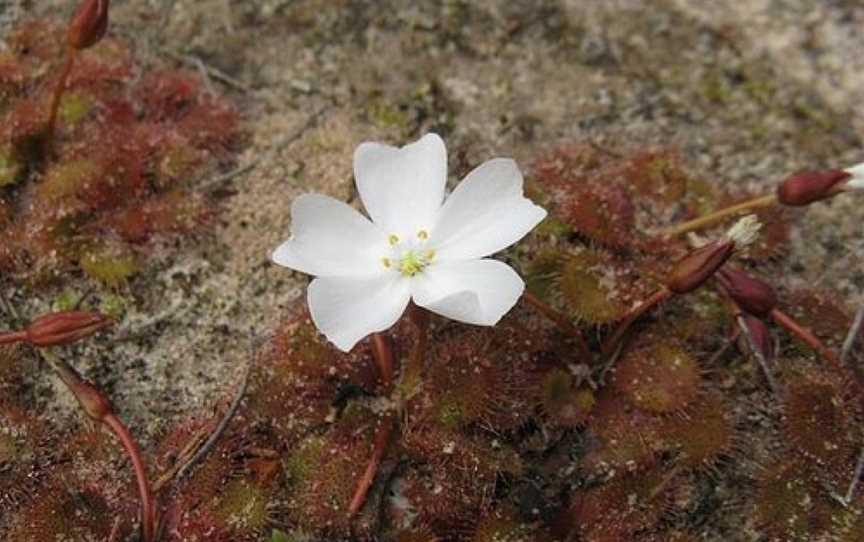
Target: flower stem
13 337
71 53
856 477
656 298
562 321
413 369
717 216
756 351
408 385
852 335
148 508
73 381
383 354
808 337
364 484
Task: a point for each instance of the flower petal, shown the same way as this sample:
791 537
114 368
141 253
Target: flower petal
330 238
348 309
402 188
485 213
857 180
472 291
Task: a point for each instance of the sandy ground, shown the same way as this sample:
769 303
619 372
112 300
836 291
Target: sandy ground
748 91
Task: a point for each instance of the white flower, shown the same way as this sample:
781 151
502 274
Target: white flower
745 231
856 182
416 247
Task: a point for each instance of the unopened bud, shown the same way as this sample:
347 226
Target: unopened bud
699 265
59 328
89 24
760 336
805 188
92 401
753 295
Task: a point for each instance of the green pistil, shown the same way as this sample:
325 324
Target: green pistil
413 263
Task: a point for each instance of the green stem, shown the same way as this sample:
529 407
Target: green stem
717 216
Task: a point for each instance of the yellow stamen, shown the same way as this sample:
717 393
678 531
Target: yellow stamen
423 234
393 238
386 262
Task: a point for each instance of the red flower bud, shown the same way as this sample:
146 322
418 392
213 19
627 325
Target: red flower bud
89 24
61 328
761 336
753 295
805 188
92 401
699 265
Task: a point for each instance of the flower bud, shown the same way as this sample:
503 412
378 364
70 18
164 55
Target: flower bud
67 327
760 335
805 188
753 295
699 265
89 24
92 401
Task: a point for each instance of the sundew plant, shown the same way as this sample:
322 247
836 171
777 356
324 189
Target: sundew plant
586 345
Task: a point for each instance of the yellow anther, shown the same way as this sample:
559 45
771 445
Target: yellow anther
423 234
393 238
386 262
430 255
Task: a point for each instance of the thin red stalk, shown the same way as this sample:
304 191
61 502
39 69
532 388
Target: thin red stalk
148 508
562 321
811 340
658 297
382 437
411 372
58 93
13 337
807 336
383 353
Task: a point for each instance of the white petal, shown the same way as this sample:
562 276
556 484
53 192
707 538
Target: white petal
331 238
348 309
472 291
485 213
402 188
857 180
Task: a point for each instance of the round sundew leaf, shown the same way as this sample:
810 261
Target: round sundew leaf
661 377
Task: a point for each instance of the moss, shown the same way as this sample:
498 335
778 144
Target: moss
388 116
66 300
74 107
304 460
243 505
114 306
11 167
68 179
110 266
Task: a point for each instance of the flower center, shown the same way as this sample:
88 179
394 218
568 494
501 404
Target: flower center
410 256
413 262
